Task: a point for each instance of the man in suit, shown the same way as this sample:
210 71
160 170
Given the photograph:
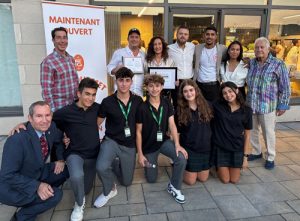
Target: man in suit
208 58
26 180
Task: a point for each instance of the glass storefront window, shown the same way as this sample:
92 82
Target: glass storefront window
224 2
285 41
286 2
119 20
243 28
196 24
132 1
10 95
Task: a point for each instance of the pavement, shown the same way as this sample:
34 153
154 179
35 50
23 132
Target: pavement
261 195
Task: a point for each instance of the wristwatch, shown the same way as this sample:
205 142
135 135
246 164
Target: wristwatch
246 155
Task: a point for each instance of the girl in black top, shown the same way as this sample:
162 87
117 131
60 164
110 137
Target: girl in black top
231 133
193 120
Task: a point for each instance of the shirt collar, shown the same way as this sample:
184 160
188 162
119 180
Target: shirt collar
269 59
59 55
130 52
39 133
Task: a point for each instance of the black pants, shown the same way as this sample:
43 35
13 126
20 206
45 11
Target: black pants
210 91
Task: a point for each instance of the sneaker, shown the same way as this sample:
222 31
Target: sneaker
252 157
269 165
179 197
77 213
102 200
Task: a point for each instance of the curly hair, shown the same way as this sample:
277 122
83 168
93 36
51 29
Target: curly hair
151 53
184 113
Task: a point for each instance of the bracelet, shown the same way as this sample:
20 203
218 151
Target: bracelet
246 155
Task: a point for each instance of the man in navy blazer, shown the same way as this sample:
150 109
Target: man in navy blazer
26 179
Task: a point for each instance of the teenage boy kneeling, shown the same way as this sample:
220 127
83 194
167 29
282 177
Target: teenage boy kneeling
154 117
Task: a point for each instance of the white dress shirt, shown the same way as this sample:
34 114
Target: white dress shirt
168 63
137 84
183 59
238 76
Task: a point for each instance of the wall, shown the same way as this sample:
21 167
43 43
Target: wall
31 50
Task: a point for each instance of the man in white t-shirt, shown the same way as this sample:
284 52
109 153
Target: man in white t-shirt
208 58
182 52
131 50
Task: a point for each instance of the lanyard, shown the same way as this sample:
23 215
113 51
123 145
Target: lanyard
160 115
125 114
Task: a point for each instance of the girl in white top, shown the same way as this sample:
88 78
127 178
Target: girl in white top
234 69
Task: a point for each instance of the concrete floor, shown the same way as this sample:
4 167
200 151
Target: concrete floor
260 195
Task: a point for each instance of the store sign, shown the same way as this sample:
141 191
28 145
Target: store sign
86 34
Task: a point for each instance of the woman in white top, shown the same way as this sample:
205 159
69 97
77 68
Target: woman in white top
157 56
234 69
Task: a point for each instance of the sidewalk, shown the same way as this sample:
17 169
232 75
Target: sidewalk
261 194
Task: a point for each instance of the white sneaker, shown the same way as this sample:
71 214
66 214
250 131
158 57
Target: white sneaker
77 213
178 196
102 200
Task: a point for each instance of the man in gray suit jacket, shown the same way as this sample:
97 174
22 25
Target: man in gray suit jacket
208 58
26 180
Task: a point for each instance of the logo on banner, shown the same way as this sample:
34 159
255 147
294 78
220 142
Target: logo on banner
79 62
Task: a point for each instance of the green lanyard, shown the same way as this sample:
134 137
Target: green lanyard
160 116
125 113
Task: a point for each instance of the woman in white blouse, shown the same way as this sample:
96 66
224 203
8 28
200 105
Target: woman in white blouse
157 53
234 69
157 56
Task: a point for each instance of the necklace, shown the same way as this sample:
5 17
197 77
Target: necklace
210 55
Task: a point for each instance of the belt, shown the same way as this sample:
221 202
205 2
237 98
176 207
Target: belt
209 83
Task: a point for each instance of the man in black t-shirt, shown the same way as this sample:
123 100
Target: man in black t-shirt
119 110
79 121
154 117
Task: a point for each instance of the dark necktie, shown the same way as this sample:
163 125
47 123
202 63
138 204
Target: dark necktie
44 146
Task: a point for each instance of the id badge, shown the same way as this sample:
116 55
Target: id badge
159 136
127 132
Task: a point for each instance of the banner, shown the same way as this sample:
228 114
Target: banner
86 34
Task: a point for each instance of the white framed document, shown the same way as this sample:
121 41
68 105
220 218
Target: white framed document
135 64
168 73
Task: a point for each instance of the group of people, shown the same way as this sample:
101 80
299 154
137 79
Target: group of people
204 122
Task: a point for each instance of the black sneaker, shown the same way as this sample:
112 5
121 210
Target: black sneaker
252 157
269 165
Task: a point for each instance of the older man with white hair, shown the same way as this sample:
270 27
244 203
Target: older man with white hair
268 95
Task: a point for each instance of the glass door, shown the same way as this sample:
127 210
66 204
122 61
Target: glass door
244 26
195 19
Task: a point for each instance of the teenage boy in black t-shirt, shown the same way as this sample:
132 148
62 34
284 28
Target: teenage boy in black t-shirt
119 110
154 117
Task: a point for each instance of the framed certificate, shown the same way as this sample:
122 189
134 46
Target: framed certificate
168 73
135 64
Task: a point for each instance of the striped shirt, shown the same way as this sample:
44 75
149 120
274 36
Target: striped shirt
59 80
268 86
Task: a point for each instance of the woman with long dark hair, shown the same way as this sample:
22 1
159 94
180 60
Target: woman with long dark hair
157 53
231 133
193 121
233 68
157 56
